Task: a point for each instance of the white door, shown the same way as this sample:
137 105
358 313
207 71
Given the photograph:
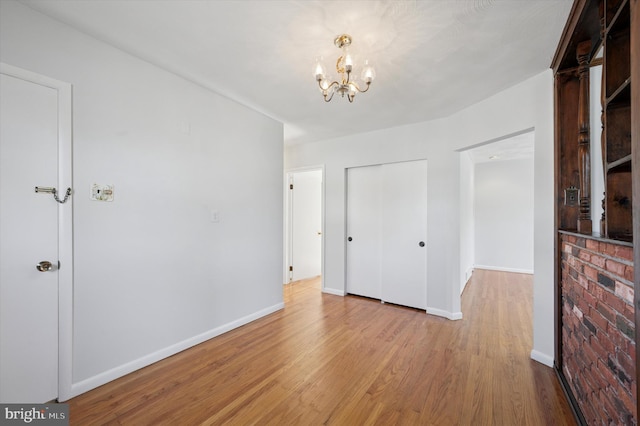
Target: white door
386 232
364 230
404 233
29 226
306 217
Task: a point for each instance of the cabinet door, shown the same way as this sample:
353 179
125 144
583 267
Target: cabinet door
364 228
404 233
386 222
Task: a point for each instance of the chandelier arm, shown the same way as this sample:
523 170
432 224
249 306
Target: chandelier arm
324 95
332 85
359 89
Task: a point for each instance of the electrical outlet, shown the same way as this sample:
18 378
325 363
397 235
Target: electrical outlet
101 192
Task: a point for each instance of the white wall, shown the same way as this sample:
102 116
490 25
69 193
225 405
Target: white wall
597 166
524 106
467 219
504 215
153 274
408 143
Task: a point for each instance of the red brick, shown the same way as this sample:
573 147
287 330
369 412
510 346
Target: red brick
600 351
598 261
606 372
569 238
607 409
614 267
600 321
607 248
624 252
583 282
615 302
629 404
590 298
583 306
598 292
625 362
629 313
585 256
628 273
601 381
606 311
619 340
593 245
607 344
624 292
591 272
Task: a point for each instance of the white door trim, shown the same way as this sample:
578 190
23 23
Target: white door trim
288 211
65 223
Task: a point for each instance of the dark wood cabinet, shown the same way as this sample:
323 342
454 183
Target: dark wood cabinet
598 32
618 215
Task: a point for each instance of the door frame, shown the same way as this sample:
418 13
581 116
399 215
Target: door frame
288 220
65 223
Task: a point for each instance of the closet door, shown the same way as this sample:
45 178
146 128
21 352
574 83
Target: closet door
386 232
404 234
364 228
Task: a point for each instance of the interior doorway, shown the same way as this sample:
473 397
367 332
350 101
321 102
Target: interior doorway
497 192
304 224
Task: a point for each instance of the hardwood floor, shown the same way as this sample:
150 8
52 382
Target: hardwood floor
327 359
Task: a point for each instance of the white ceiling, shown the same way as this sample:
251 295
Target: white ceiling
432 57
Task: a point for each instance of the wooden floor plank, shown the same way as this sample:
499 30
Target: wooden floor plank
327 359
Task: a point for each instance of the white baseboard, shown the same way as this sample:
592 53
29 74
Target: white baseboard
503 269
124 369
333 291
446 314
542 358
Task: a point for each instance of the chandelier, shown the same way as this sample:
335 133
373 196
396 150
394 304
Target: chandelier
346 84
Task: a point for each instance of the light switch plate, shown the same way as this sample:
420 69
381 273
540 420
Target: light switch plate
101 192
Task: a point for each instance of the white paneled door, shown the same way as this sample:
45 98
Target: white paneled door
387 232
364 231
306 217
29 227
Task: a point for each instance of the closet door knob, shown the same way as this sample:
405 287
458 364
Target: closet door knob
421 243
349 239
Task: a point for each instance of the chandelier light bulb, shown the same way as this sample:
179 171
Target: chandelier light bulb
368 73
348 61
319 70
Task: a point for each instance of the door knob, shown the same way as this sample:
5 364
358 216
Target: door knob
421 243
44 266
349 239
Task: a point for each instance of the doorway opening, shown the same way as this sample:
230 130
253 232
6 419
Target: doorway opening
497 223
497 192
304 225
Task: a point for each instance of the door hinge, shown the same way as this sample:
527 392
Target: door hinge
291 186
290 268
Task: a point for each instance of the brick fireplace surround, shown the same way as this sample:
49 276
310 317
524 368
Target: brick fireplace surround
598 332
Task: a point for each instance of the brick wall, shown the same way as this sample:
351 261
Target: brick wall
598 328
